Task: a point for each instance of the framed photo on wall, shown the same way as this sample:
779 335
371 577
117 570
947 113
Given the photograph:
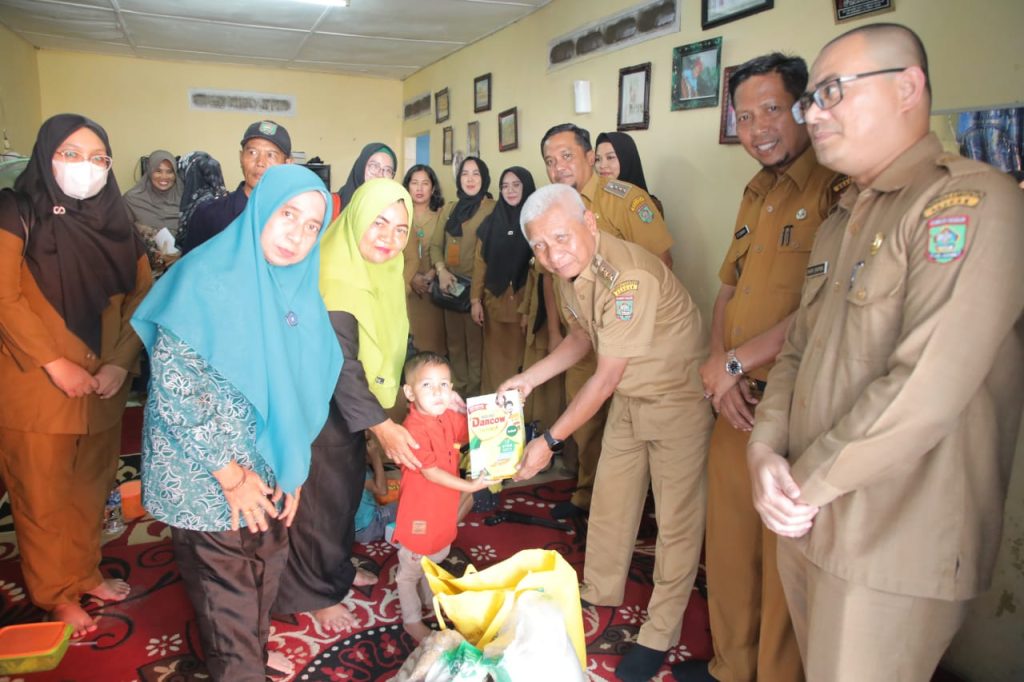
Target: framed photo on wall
634 97
508 130
473 138
855 9
717 12
727 131
441 106
447 145
695 74
482 93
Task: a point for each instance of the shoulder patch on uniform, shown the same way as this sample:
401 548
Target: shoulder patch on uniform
964 197
841 185
635 204
624 307
947 238
645 214
619 189
626 286
742 232
605 271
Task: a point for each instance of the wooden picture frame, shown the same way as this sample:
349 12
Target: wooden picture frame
508 130
727 129
634 97
725 11
441 106
447 145
482 93
695 74
848 10
473 138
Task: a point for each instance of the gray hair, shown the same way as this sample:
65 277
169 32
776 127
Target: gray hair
546 198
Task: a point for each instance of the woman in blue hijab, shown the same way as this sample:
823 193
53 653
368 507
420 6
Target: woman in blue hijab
244 361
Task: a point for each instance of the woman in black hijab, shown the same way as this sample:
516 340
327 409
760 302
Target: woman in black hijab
501 268
72 272
453 252
375 161
617 158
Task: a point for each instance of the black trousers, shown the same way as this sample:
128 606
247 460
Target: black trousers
231 578
320 571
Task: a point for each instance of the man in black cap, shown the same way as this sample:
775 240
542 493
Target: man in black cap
264 144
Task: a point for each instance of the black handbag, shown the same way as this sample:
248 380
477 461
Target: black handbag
458 304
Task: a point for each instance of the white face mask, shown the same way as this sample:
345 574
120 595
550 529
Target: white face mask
80 180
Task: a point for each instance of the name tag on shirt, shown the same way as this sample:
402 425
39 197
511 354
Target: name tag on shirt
817 269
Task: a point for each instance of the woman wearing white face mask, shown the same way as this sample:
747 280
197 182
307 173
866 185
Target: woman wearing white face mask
71 273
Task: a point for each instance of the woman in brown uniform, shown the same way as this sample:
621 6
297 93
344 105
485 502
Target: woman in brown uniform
71 273
453 252
502 265
426 320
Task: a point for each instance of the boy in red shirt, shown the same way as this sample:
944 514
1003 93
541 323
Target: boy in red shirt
429 500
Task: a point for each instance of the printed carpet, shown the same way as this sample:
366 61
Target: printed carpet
152 635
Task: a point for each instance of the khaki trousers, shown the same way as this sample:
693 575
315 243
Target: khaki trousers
750 626
852 633
588 436
58 486
661 443
413 588
547 401
503 339
465 352
426 323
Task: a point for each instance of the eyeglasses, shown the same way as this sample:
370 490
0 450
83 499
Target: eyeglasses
830 93
378 169
71 156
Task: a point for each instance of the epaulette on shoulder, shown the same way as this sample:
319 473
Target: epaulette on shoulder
618 188
960 166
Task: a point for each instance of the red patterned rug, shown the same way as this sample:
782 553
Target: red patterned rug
152 635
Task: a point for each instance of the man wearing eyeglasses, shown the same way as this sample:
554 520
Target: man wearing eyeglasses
882 446
264 144
782 207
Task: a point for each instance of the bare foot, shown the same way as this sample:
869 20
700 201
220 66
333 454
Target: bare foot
281 663
76 617
336 618
364 578
111 589
417 630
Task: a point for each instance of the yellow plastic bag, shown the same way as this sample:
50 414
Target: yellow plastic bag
480 601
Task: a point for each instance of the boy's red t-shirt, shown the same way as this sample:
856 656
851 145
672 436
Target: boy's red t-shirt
427 512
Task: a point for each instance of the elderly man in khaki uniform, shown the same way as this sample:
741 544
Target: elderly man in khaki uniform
782 207
624 303
897 395
620 209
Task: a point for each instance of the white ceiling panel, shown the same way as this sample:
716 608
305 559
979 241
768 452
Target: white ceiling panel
382 38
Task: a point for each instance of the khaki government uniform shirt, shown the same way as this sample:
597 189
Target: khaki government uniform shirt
441 242
33 334
898 393
632 306
417 250
627 212
772 239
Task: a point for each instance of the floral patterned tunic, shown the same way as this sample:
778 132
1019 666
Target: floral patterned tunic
195 423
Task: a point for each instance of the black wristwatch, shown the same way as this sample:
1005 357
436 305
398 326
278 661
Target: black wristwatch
553 443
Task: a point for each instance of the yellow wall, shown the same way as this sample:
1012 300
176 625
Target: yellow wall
976 61
143 104
698 180
19 92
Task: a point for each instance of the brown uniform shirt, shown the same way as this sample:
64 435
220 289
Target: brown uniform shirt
898 393
33 334
627 212
772 239
417 249
441 243
632 306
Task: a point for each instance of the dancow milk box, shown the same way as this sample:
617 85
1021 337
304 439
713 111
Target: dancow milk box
496 434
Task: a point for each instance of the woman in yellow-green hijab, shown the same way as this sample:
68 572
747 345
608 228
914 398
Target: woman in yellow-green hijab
364 292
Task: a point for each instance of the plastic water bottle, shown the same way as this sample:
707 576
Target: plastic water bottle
113 522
